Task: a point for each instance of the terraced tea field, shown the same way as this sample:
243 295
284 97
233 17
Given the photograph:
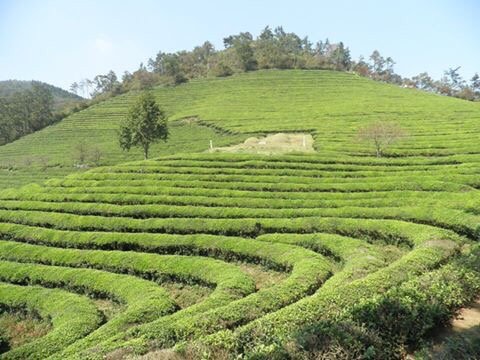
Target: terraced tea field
327 104
216 255
339 238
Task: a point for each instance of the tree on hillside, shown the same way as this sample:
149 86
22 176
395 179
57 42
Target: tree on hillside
278 49
475 84
361 67
341 57
424 81
381 134
200 59
80 153
41 105
378 63
145 124
273 48
266 49
75 88
382 68
454 78
106 83
140 80
466 93
96 155
242 45
451 83
389 73
85 86
168 65
26 111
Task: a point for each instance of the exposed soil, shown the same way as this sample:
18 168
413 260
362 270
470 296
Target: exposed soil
186 295
468 319
280 143
19 328
263 278
463 331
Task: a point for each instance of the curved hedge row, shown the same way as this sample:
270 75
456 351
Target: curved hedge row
226 278
419 184
350 236
239 198
279 326
144 300
72 317
456 220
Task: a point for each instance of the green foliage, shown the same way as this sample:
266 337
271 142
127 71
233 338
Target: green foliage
24 112
242 46
374 253
232 108
72 317
339 339
272 49
145 124
355 255
60 96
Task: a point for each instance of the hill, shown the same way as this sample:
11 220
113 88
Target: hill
60 96
327 104
201 254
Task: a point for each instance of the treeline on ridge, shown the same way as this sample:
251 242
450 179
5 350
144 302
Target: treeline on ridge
272 49
28 109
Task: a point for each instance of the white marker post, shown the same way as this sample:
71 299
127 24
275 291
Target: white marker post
211 145
304 142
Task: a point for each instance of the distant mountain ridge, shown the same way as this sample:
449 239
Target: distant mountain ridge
60 96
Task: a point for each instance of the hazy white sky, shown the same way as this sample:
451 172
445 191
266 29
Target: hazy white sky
60 42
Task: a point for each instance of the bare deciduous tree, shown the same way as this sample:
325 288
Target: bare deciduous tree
43 161
381 134
96 155
80 153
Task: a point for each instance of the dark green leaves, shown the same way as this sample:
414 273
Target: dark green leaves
146 123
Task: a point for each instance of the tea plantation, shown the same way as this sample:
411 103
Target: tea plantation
192 254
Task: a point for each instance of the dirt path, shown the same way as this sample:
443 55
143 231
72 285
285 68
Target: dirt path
468 318
456 341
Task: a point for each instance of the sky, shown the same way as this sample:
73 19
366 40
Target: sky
60 42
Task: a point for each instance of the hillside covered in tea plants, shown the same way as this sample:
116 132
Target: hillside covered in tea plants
330 105
196 254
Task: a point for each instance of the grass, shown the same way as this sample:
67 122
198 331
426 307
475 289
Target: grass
196 253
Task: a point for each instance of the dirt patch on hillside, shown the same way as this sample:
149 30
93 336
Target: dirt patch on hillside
468 318
280 143
458 339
